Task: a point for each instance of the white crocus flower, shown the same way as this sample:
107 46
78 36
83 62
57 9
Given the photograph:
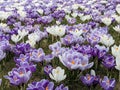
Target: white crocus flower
85 17
74 14
106 20
117 18
15 38
22 33
118 8
57 74
34 37
107 40
117 28
115 50
56 30
76 32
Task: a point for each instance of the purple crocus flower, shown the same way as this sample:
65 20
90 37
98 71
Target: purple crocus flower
37 55
56 48
18 76
74 60
107 84
28 66
68 39
61 87
21 48
109 61
100 51
48 69
88 79
41 85
22 58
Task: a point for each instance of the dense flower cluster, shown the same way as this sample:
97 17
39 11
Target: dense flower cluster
62 40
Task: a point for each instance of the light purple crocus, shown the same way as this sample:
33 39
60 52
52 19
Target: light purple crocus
74 60
41 85
37 55
56 48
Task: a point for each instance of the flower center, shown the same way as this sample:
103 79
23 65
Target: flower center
73 62
88 77
46 88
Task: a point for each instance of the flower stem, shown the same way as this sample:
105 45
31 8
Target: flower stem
119 76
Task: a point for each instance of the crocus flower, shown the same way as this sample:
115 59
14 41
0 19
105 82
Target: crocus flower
107 84
48 69
57 74
22 58
87 80
22 33
56 30
108 61
56 48
41 85
100 51
107 40
37 55
74 60
15 38
107 20
115 50
18 76
61 87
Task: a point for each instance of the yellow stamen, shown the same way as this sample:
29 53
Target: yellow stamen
73 62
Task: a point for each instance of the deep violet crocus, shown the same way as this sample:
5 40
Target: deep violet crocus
107 84
48 69
109 61
41 85
88 79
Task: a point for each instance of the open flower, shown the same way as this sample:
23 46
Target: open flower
15 38
41 85
74 60
107 84
115 50
117 63
88 79
107 40
56 30
22 33
57 74
106 20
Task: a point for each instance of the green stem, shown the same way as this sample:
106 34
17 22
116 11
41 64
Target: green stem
119 76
